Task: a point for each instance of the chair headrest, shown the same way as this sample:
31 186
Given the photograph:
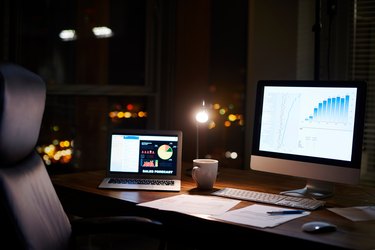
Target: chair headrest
22 101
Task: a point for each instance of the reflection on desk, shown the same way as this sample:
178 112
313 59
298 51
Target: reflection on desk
80 196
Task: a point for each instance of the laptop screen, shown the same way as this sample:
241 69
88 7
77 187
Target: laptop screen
148 153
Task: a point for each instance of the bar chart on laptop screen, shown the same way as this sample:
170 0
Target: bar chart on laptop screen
308 121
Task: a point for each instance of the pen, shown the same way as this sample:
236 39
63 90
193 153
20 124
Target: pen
285 212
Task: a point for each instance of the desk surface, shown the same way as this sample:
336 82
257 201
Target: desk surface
78 189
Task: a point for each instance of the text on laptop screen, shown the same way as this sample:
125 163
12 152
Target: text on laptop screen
146 154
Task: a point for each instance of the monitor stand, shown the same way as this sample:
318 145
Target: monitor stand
313 188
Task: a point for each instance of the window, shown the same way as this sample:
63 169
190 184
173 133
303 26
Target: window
113 64
97 59
225 131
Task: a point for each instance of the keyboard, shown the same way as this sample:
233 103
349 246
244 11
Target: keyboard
141 184
269 198
140 181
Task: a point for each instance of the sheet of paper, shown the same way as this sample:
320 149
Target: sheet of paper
193 204
257 216
360 213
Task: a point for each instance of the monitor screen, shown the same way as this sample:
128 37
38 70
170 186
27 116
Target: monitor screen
309 129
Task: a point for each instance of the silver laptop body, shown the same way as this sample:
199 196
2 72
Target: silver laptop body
144 160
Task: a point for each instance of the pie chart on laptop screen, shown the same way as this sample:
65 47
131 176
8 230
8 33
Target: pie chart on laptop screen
165 152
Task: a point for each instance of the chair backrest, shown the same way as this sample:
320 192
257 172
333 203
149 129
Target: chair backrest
31 215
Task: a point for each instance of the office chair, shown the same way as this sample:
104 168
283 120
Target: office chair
31 214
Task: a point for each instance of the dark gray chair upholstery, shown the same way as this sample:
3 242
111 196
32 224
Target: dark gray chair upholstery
31 215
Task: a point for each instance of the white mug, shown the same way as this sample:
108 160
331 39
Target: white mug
204 172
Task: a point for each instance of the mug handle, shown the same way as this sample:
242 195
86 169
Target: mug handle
194 172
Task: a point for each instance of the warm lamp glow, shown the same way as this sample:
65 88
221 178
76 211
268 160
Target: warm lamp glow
202 116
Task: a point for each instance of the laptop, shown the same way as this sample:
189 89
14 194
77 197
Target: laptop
144 160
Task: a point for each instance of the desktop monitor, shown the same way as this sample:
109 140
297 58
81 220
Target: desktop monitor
310 129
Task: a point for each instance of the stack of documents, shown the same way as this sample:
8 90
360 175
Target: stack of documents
193 204
219 208
261 216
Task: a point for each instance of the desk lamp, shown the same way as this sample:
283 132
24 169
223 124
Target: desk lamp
200 117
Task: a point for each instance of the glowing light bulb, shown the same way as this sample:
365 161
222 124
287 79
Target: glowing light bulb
68 35
202 115
102 32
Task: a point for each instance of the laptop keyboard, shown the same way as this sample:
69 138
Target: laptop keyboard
140 181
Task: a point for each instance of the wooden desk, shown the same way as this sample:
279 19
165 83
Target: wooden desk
80 196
